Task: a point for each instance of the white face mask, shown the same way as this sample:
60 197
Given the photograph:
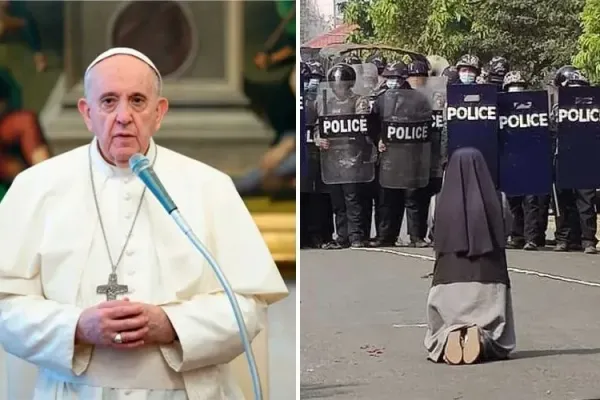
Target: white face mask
516 89
467 77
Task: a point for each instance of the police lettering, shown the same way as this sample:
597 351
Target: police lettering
408 133
337 126
472 113
579 115
309 136
524 121
438 121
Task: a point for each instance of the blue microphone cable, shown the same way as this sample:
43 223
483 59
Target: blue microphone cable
140 166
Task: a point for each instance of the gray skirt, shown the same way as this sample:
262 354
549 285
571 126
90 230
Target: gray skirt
461 305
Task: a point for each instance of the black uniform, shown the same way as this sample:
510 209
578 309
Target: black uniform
372 190
392 202
347 200
576 222
417 200
316 215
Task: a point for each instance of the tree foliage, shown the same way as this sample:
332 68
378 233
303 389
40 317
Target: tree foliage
588 57
535 36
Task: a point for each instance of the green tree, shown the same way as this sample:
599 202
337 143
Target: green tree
447 29
588 57
392 22
535 36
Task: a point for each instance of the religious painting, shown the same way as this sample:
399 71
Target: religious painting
31 49
269 61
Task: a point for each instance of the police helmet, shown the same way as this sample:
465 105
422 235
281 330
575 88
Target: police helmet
570 75
498 66
418 68
513 78
483 76
316 69
351 60
341 72
396 69
469 61
451 73
304 70
379 61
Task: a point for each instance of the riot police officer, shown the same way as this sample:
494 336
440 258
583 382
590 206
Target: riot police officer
347 199
469 68
373 80
378 60
305 74
418 200
497 69
316 215
451 74
380 63
528 230
576 222
418 71
392 102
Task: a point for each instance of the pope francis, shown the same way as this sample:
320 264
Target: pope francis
98 287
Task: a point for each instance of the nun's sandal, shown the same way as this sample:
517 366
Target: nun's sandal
453 352
471 345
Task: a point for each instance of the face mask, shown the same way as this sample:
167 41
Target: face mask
516 89
392 83
467 77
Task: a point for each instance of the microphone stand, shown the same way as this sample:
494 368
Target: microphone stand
140 166
187 230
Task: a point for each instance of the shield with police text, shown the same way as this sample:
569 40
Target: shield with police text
311 181
405 160
435 91
303 141
525 153
347 149
472 121
578 139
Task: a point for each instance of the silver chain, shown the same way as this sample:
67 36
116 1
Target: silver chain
137 213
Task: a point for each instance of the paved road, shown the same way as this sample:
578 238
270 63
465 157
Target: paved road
362 316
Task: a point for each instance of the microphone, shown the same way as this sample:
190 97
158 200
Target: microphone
140 165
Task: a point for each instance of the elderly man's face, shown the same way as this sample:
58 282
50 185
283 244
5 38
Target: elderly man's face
122 107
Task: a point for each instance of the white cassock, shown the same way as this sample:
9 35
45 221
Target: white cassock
53 256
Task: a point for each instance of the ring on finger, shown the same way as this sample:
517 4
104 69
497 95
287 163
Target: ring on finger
118 338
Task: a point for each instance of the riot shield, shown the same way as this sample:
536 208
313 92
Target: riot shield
472 121
349 154
303 141
525 153
311 181
435 92
578 146
406 125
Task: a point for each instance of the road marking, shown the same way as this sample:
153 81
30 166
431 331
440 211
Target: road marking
511 269
409 325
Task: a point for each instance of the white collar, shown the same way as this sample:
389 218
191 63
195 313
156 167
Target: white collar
100 164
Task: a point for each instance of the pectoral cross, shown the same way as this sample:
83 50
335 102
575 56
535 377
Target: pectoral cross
112 289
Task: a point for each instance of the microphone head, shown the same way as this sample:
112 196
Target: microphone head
138 162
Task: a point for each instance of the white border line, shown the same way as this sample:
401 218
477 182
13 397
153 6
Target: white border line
511 269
